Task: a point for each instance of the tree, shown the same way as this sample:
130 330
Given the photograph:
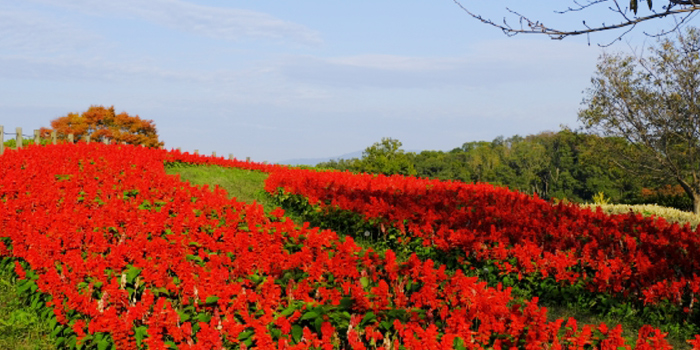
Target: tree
529 161
626 16
103 123
386 157
653 103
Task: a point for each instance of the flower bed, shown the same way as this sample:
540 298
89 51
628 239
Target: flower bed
625 255
129 257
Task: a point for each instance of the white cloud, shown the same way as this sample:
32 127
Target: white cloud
31 33
215 22
73 68
395 63
489 64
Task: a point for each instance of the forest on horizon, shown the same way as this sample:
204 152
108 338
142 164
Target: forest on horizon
564 165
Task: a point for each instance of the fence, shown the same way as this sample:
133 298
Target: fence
71 138
37 138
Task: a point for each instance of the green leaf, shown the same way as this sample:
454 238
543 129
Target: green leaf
72 342
288 311
86 340
195 258
318 322
140 333
103 344
211 299
245 335
203 317
297 332
23 286
364 281
346 303
309 315
146 205
369 317
184 316
56 331
507 281
159 291
60 341
132 273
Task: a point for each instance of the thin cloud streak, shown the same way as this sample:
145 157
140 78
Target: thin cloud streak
487 66
32 33
214 22
73 68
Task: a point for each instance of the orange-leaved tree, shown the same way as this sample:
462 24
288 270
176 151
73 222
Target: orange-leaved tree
103 123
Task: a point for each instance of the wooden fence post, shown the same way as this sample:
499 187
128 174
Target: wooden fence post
18 143
106 141
247 159
36 137
87 138
213 154
70 138
53 137
2 139
230 156
196 152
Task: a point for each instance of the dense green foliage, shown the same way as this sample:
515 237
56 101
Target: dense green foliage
12 143
24 323
651 101
563 165
385 157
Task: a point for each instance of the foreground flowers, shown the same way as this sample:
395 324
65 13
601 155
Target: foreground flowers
134 258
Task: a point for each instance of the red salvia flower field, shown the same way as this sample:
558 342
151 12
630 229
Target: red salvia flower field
131 257
627 255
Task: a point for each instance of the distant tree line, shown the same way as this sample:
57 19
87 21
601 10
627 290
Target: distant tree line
564 165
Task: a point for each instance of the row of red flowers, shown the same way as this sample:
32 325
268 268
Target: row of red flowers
125 250
625 255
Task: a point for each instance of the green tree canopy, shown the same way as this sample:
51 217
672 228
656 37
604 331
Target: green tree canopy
386 157
654 103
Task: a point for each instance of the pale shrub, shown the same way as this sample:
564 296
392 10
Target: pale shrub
670 214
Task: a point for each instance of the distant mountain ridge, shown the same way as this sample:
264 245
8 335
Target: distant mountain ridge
314 161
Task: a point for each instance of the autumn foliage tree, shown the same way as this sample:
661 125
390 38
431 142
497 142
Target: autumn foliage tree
103 123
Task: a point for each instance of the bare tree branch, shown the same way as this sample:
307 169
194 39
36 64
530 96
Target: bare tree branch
532 26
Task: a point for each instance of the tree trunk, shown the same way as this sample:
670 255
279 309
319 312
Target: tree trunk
693 192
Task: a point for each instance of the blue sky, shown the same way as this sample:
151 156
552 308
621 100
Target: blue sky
276 80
